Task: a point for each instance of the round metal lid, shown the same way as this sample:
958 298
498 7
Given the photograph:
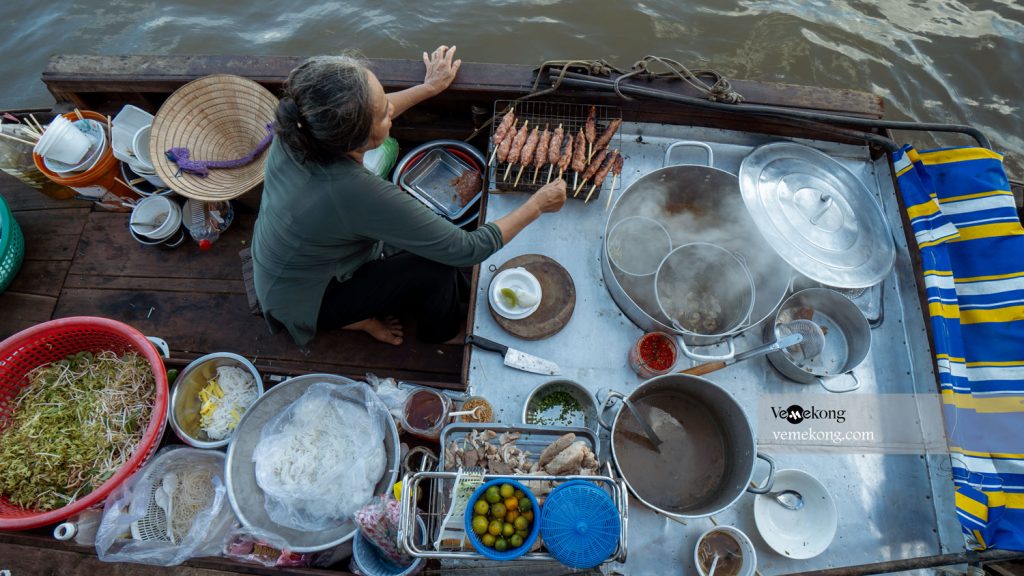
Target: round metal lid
817 215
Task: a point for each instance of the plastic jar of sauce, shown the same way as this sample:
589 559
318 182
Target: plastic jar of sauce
654 354
425 413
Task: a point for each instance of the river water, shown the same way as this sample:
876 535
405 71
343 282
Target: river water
932 60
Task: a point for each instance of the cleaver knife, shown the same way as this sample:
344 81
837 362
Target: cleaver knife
514 358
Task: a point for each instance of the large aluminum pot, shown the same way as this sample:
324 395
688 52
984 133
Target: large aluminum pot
847 338
706 459
694 203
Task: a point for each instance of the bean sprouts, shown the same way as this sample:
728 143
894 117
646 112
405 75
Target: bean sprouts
224 399
73 426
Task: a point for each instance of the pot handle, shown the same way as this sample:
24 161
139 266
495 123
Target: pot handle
766 486
708 357
611 397
856 383
693 143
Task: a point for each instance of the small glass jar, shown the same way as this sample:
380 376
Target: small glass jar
654 354
425 413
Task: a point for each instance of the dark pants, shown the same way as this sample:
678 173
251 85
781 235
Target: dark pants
401 285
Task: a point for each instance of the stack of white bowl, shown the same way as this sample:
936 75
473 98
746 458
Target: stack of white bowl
70 147
130 138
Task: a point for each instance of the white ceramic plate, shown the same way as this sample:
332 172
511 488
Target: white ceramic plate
516 279
802 533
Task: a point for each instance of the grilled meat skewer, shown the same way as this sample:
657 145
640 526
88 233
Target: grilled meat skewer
517 148
606 136
601 173
616 170
507 127
526 156
590 130
505 146
541 158
579 156
566 158
591 169
555 149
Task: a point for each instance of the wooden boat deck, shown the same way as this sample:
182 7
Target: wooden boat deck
84 262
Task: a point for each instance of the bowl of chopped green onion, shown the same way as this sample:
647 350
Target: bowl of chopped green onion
210 396
561 403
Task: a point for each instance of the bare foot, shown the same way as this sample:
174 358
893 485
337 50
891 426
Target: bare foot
388 330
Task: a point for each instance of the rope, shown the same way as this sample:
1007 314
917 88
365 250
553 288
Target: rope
180 156
716 89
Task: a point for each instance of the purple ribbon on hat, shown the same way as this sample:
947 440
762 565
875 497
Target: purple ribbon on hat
180 156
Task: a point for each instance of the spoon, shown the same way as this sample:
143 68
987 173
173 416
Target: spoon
168 486
714 565
472 412
788 499
648 431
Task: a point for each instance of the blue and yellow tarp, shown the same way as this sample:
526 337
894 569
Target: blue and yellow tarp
963 217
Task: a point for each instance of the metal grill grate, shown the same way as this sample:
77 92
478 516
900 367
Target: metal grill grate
572 117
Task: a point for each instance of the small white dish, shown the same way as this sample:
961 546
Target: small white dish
748 562
521 281
803 533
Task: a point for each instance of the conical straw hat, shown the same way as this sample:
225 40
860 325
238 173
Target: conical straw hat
218 117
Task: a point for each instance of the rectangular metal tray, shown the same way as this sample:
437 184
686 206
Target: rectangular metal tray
533 437
430 180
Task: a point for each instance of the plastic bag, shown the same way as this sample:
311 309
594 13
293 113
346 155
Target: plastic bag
320 459
389 393
131 501
378 522
259 547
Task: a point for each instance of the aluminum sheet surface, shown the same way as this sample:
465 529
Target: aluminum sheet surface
890 507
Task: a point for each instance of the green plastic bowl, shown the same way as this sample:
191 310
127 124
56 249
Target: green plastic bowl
12 246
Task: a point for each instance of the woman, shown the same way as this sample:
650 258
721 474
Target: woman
324 220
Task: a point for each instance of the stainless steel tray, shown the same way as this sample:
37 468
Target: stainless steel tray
533 437
430 180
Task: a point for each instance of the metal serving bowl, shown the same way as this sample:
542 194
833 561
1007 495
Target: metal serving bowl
246 497
183 414
586 401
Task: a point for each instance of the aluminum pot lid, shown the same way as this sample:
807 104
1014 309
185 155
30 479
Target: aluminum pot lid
817 215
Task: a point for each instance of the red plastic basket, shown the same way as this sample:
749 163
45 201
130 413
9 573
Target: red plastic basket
53 341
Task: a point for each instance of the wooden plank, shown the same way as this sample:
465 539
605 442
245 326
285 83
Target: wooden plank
20 196
80 76
201 323
41 277
107 249
52 234
147 284
19 311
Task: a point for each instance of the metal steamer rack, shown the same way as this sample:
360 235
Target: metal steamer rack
437 487
572 117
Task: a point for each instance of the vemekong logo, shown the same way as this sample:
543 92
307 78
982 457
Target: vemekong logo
796 414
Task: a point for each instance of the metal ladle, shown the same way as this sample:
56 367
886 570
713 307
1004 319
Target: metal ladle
788 342
813 338
788 499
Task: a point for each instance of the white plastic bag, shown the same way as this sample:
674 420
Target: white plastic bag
320 459
130 502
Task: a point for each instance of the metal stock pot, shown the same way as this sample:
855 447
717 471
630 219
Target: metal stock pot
706 459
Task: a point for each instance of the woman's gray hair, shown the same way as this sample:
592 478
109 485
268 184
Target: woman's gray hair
326 110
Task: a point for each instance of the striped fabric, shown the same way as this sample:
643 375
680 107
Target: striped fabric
972 249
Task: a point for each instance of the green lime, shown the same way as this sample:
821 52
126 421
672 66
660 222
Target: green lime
507 490
507 530
522 533
521 523
492 495
525 504
494 529
479 524
487 540
500 545
481 507
516 540
508 295
519 494
498 511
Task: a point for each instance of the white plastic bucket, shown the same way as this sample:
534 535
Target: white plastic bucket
156 218
97 146
62 142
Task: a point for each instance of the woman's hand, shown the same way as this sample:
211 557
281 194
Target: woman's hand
551 197
441 68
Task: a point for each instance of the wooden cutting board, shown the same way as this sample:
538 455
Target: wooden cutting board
557 303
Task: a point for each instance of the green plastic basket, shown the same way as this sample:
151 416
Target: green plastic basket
12 246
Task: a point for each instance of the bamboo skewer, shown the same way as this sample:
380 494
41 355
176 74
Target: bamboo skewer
521 168
79 114
551 168
615 178
16 139
576 192
38 126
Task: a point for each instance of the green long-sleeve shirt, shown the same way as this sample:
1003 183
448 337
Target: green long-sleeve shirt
320 222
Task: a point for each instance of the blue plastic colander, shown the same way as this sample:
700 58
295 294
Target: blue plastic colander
579 524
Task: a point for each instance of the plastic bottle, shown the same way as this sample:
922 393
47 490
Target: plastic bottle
82 527
206 220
